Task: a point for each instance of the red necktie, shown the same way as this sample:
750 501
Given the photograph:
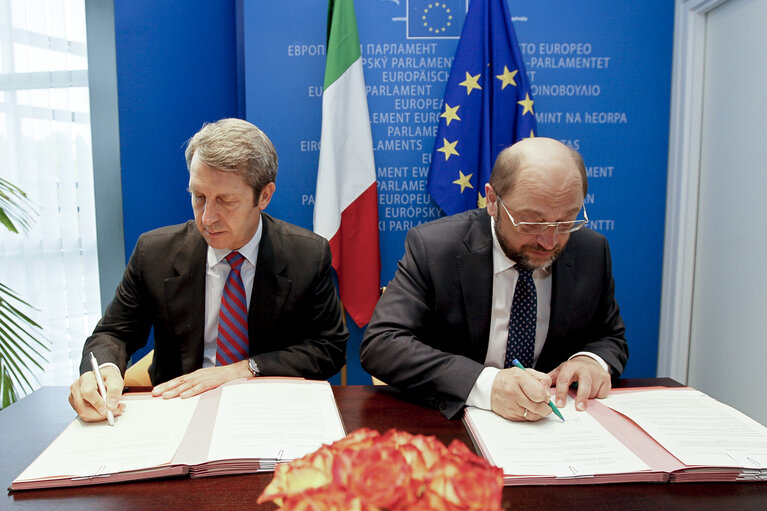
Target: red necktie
233 316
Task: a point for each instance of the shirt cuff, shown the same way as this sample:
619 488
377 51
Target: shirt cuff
595 357
482 389
108 364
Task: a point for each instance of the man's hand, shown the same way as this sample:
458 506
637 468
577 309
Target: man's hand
201 380
521 395
85 398
593 381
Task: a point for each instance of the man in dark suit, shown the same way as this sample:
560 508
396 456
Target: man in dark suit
283 315
447 328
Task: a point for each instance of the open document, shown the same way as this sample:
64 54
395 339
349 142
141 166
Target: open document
714 441
660 438
243 427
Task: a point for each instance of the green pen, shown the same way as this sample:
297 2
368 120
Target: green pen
551 403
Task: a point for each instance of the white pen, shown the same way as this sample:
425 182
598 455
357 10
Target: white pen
102 390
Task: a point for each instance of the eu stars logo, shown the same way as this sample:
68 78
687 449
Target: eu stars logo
487 106
442 19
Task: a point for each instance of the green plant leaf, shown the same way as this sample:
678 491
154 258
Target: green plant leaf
12 367
7 222
15 207
6 387
13 333
8 311
15 348
22 342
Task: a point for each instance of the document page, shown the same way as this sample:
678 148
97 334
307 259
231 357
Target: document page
549 447
146 435
696 428
281 420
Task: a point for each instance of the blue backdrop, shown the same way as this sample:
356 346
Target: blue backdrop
601 83
176 68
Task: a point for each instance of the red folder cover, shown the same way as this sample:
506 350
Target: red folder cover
662 466
276 437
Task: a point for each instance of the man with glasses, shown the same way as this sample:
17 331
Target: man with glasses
521 279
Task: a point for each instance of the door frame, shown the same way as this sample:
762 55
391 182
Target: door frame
682 186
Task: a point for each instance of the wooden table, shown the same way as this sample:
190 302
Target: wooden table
28 426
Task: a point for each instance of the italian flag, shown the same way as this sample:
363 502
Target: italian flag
346 206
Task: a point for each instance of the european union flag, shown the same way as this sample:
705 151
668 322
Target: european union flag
435 19
487 107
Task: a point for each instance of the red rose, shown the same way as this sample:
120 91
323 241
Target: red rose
358 439
379 474
325 499
415 461
311 471
466 484
459 449
397 438
431 449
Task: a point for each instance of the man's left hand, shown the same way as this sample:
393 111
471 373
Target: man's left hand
201 380
593 381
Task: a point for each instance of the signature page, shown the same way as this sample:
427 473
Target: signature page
146 435
579 447
280 420
697 429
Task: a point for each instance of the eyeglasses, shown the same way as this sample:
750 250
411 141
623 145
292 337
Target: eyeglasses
540 227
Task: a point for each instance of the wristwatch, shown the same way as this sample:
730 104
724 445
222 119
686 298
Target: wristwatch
253 367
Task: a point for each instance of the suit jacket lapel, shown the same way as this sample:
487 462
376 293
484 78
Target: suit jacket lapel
563 278
185 298
270 285
475 269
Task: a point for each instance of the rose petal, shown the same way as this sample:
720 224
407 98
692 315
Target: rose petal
379 474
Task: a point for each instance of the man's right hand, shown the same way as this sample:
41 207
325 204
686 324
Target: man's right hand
521 395
85 398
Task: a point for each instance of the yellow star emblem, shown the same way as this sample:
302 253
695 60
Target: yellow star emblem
527 103
532 134
471 82
481 201
448 148
463 181
450 113
507 78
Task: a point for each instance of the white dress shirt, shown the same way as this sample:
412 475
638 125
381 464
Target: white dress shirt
216 273
504 283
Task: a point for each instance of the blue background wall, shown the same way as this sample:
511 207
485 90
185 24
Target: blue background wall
179 66
176 69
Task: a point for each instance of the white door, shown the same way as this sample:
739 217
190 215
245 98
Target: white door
728 341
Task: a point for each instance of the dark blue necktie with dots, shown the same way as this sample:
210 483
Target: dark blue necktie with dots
524 307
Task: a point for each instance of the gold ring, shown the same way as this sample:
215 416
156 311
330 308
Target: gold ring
524 415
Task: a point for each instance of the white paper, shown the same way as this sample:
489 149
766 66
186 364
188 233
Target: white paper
274 420
697 429
134 442
578 447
